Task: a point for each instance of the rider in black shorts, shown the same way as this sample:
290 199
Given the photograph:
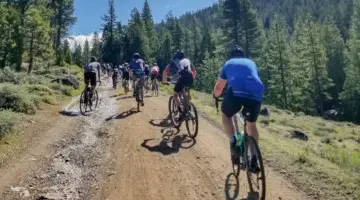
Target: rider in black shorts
90 71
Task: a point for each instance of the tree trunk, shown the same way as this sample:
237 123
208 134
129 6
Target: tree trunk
31 52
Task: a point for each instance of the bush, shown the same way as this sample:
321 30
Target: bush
17 99
40 90
66 90
7 75
7 121
49 100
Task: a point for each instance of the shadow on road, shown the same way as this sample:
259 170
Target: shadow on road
232 187
70 113
122 115
129 97
176 143
117 95
165 123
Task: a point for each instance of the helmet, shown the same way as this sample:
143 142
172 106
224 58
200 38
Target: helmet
126 64
179 55
237 51
93 59
136 56
147 66
155 64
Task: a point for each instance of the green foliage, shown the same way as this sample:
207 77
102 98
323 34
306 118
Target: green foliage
17 99
86 55
8 120
208 73
77 56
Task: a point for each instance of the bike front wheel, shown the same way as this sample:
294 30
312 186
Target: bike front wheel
174 112
256 179
83 104
192 124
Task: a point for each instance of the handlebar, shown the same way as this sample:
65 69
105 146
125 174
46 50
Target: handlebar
217 99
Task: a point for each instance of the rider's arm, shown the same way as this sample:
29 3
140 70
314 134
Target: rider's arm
165 73
220 84
193 71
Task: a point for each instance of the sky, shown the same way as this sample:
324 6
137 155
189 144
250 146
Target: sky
89 12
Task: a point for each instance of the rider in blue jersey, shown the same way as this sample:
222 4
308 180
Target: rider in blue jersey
244 90
137 66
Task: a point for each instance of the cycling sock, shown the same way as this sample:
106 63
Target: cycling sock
232 138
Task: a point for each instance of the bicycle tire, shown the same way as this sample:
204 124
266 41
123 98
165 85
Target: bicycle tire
82 104
196 119
172 112
251 140
137 96
156 90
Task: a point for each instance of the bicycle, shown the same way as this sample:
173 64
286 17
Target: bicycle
187 108
154 88
146 84
244 156
86 102
125 84
139 92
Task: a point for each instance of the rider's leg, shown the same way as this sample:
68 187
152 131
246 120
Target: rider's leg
142 90
252 130
228 125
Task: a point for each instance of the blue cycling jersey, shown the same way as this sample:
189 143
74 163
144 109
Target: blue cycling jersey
243 79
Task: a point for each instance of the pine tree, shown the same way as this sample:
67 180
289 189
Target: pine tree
309 65
187 42
96 48
178 37
86 53
232 23
279 64
109 29
207 45
138 42
351 93
149 27
77 56
335 46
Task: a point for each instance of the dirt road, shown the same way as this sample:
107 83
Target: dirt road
116 153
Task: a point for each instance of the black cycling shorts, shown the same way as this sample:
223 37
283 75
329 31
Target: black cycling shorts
153 76
232 105
126 76
185 80
90 77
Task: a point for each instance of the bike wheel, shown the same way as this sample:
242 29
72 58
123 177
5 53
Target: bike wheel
137 89
174 112
83 105
192 124
156 90
257 182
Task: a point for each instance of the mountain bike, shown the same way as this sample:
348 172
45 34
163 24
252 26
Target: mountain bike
139 92
249 147
154 87
86 103
125 84
190 112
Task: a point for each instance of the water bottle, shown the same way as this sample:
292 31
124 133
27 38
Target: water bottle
240 142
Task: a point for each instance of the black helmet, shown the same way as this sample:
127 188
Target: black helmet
237 51
136 56
179 55
93 59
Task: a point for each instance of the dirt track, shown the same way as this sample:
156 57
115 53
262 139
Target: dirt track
117 153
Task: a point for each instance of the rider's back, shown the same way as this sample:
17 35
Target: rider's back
92 67
243 78
137 64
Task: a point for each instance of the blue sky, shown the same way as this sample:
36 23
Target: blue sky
89 12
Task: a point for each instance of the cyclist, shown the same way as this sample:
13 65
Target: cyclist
244 90
90 71
115 75
147 73
154 72
137 69
126 75
186 73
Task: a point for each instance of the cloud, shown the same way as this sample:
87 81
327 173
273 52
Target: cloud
80 39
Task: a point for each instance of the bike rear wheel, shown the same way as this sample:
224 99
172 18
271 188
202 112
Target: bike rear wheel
83 103
192 124
138 100
257 182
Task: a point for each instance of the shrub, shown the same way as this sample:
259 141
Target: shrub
49 100
7 121
66 90
7 75
40 90
16 98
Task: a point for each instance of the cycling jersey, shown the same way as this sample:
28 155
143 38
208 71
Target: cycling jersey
137 67
180 65
243 79
92 67
155 70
